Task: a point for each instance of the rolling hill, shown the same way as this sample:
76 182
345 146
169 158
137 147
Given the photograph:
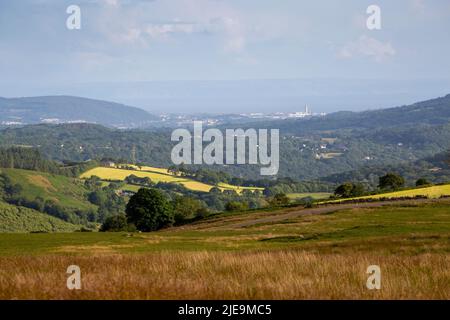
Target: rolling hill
429 112
63 109
21 219
65 191
157 175
338 145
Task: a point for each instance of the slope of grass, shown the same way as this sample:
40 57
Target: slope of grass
66 191
432 192
20 219
410 227
157 175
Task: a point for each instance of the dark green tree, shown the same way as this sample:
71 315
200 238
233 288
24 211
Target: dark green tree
391 181
349 189
344 190
422 182
149 210
115 224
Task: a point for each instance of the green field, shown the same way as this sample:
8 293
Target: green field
157 175
68 192
403 225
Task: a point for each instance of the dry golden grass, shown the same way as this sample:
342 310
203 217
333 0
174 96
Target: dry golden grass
220 275
41 181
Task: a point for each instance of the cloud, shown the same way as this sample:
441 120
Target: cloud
368 47
156 31
148 22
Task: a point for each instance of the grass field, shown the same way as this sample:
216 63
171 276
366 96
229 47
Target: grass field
65 191
322 256
157 175
432 192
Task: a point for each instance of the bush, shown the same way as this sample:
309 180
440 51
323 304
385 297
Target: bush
115 224
279 200
236 206
186 208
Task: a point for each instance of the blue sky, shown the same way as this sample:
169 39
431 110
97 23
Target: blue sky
123 41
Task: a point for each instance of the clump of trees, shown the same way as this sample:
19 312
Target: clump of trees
187 208
391 181
31 159
349 190
422 182
279 200
387 182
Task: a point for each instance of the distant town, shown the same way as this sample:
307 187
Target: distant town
173 119
210 119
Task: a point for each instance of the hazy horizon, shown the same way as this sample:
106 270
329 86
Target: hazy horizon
130 51
246 96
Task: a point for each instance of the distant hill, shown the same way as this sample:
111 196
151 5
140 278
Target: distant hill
435 169
430 112
64 109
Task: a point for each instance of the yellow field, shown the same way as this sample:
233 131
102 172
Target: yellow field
430 192
120 174
152 169
157 175
238 189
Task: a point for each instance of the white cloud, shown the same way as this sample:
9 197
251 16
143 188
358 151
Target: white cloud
150 21
156 31
369 47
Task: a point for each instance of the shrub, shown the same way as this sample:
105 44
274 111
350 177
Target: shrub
115 224
236 206
279 199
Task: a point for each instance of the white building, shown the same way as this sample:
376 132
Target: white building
301 114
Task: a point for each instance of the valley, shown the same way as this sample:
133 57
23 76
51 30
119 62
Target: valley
69 191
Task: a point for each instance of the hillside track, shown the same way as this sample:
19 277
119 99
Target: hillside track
250 219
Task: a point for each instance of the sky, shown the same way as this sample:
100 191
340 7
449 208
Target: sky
151 52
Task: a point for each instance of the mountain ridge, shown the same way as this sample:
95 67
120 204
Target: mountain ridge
66 109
